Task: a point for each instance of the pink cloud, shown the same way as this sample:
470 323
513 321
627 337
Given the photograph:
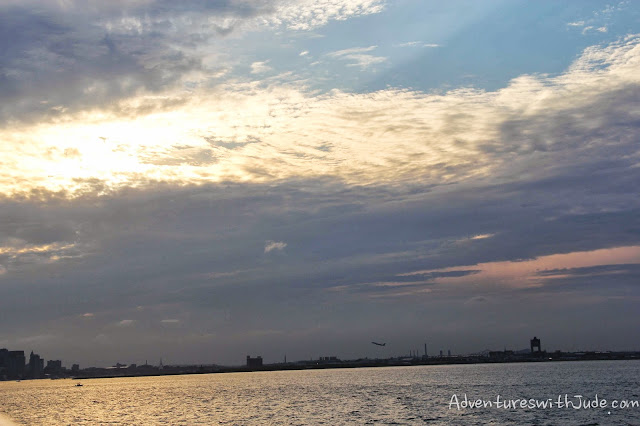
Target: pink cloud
525 273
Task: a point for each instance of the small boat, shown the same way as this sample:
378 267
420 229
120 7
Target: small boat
79 384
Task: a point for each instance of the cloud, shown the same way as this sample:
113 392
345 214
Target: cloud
66 57
364 61
357 56
274 245
309 14
391 135
303 53
481 236
350 51
16 253
587 29
456 188
589 271
125 323
170 321
599 20
260 67
417 44
529 272
358 238
409 44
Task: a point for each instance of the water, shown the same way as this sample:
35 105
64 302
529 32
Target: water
393 395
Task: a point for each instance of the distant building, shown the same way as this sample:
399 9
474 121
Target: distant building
16 363
254 362
328 359
535 343
36 366
75 368
54 367
4 363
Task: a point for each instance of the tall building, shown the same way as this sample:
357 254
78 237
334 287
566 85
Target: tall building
16 362
254 362
36 366
4 363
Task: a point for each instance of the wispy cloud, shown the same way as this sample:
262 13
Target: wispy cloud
417 44
274 245
599 20
357 57
351 51
591 28
531 272
482 236
260 67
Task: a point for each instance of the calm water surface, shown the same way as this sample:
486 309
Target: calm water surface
393 395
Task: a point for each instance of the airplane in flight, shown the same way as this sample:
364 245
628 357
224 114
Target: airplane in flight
379 344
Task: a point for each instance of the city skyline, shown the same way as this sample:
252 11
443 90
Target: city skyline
208 179
14 364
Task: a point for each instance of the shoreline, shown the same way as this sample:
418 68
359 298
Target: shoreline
186 370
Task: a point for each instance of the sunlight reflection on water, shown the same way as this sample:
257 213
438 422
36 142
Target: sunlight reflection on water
394 395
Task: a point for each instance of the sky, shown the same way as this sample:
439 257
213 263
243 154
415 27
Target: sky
199 181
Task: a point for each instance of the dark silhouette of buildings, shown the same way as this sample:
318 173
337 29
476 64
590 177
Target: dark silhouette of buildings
535 343
12 365
54 368
4 364
36 366
501 355
328 359
16 364
254 362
